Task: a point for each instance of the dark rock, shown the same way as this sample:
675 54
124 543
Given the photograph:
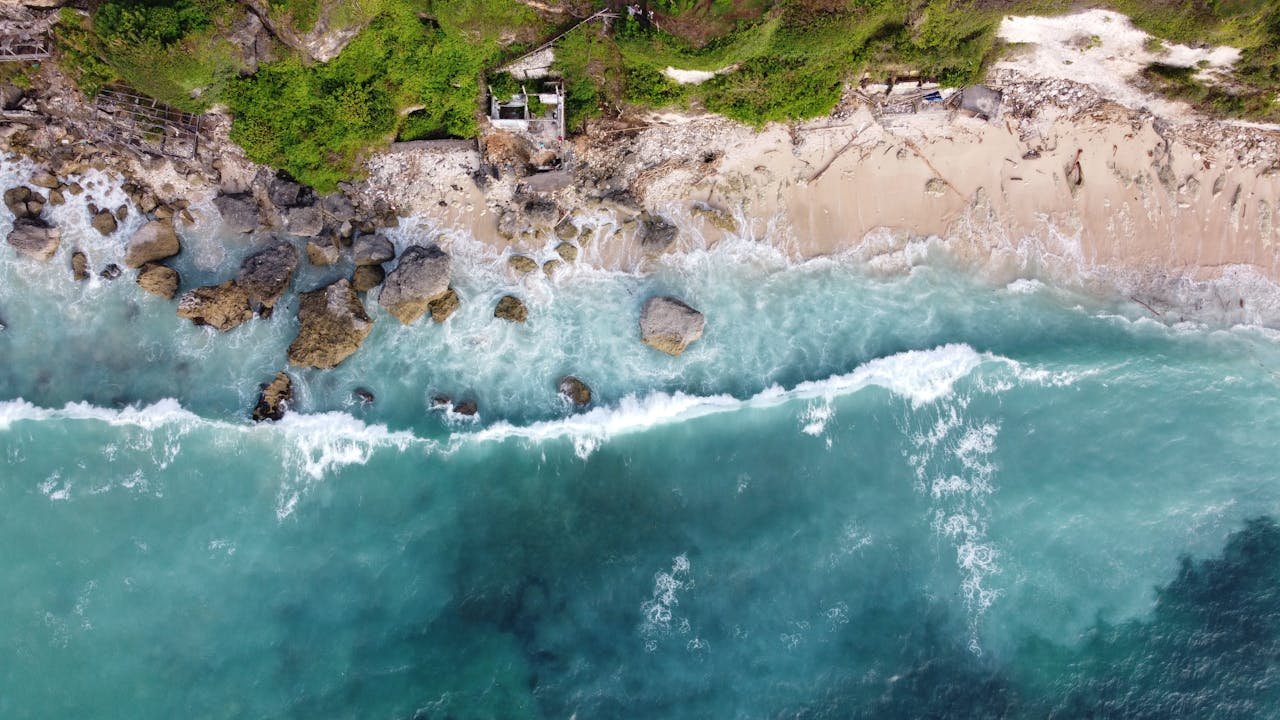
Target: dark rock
122 213
79 266
466 407
656 234
104 222
34 238
669 325
154 241
575 391
239 212
332 325
444 306
110 272
304 221
274 399
372 250
422 275
542 212
323 252
223 307
159 280
338 207
363 396
265 275
285 193
511 308
10 96
367 277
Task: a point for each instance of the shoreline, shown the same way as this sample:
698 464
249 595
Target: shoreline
1179 214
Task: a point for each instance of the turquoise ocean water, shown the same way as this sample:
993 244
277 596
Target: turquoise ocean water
858 495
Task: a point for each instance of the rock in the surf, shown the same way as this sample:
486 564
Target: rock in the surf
274 398
23 202
444 306
152 242
239 212
367 277
669 325
104 222
575 391
511 308
332 325
422 275
222 307
79 266
265 275
159 280
34 238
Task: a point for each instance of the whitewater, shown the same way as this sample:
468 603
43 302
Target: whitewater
860 494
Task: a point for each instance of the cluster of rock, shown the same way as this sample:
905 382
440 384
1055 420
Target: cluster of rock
34 236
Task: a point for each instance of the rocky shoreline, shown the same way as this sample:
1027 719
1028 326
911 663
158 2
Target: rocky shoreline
1063 184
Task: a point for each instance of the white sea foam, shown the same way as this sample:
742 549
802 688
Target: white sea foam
659 610
921 376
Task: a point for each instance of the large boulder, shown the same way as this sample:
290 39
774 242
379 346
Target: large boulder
23 202
239 212
154 241
159 280
421 276
372 250
34 238
265 275
511 308
669 325
274 398
223 307
304 221
332 325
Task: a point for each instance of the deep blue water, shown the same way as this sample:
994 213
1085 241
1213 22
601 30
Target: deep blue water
857 496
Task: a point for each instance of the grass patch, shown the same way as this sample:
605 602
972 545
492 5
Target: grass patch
174 52
406 75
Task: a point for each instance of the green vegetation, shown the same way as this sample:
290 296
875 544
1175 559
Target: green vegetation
418 68
173 51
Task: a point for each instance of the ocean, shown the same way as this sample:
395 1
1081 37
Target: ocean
860 494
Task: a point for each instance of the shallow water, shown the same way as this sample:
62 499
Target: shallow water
856 496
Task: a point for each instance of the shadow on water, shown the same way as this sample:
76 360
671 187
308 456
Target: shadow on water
1210 649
